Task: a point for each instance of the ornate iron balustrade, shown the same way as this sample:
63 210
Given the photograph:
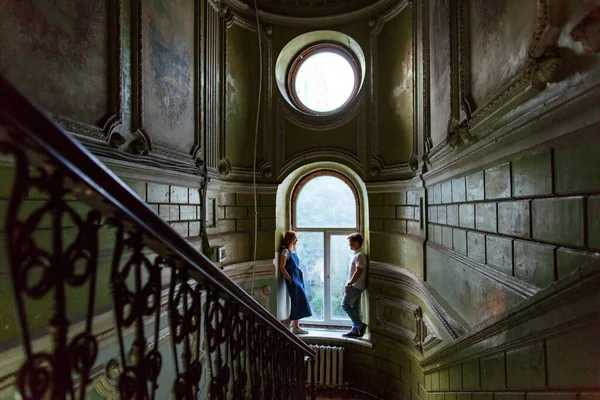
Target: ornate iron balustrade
223 343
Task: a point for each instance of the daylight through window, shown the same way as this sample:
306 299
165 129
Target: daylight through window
325 212
323 79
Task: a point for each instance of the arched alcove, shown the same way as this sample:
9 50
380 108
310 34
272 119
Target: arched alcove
292 185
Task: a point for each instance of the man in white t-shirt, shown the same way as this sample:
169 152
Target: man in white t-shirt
357 283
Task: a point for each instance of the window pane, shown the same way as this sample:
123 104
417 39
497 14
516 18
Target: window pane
324 81
326 202
310 250
340 254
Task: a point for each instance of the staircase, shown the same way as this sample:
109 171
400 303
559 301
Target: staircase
92 266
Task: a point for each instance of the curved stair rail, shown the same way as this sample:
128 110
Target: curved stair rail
223 343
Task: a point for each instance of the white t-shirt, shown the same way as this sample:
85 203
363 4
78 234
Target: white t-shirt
359 260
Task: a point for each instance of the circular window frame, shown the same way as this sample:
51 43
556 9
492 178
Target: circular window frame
312 50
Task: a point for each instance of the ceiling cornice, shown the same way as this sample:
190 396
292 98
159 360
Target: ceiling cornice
368 12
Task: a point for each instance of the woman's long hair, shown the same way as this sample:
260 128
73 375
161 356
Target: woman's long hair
288 239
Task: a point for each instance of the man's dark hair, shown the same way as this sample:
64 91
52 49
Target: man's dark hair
356 237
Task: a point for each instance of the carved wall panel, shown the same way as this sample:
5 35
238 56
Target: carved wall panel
167 78
484 59
507 54
440 67
404 318
241 72
66 56
393 129
262 295
499 36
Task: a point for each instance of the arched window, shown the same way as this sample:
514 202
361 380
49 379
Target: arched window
325 210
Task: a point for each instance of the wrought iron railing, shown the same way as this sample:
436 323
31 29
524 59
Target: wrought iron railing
223 343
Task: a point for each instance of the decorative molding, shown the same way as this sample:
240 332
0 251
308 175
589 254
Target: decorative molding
541 65
241 187
103 326
142 143
325 123
224 166
262 295
163 336
454 73
114 119
246 271
403 307
403 279
429 335
441 150
378 165
321 154
413 162
380 168
394 186
144 167
116 140
424 336
534 319
107 385
516 285
264 166
419 240
426 65
376 8
107 378
565 117
214 96
285 165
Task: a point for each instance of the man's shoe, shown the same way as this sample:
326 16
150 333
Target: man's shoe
352 334
362 330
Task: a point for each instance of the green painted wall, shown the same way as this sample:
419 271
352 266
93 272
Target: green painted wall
241 96
531 220
395 88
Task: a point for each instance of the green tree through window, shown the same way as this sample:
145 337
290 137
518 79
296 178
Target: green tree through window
325 214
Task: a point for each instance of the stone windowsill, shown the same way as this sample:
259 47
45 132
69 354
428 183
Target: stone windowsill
332 336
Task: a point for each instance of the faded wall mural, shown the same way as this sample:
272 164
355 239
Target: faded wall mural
440 69
500 34
395 89
56 52
168 72
241 95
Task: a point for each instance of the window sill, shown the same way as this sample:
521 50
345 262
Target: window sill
332 336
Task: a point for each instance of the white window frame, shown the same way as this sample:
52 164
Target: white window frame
327 233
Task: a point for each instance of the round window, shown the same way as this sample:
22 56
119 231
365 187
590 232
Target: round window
323 79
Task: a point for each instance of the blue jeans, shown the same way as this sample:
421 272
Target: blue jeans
351 304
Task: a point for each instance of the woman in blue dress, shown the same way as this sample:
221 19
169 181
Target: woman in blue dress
289 266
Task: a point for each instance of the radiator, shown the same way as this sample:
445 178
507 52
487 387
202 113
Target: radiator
329 366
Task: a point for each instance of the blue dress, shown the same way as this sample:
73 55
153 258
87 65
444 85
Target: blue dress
300 305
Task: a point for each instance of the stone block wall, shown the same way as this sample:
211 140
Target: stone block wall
397 228
562 366
178 205
233 213
384 370
514 228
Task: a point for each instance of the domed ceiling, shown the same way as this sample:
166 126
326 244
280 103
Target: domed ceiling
312 8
